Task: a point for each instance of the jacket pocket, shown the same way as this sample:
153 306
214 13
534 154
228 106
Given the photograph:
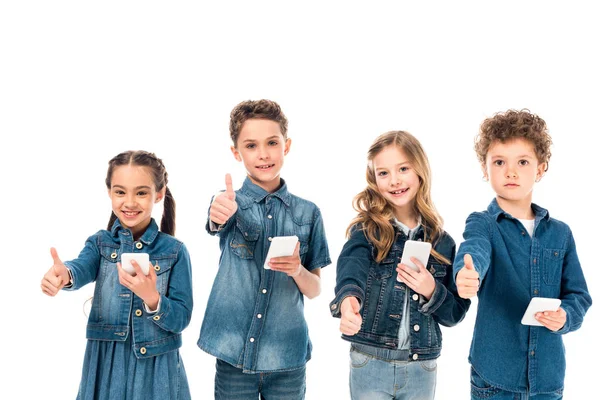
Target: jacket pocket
243 242
437 270
553 262
162 268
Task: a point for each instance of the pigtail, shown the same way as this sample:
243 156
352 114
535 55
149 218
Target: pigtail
167 222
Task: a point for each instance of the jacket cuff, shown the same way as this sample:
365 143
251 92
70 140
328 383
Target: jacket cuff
437 299
346 291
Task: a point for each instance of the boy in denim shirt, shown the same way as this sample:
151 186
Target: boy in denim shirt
254 322
513 252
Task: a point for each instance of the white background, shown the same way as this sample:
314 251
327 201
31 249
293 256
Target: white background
81 82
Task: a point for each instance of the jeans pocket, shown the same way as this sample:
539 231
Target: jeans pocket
358 359
428 365
480 389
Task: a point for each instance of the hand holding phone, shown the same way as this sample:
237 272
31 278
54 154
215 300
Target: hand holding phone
417 249
281 246
143 260
536 305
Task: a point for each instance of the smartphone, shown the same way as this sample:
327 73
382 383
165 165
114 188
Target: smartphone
536 305
143 260
419 250
281 246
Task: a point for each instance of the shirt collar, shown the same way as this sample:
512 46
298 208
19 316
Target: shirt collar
409 233
258 194
147 237
496 212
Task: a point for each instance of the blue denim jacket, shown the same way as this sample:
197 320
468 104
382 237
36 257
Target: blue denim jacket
381 296
254 318
514 267
116 311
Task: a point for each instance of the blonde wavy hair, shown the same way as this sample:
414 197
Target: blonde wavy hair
375 213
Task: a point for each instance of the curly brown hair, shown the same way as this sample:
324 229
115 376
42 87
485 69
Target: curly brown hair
512 124
256 109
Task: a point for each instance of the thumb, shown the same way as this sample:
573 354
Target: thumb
229 187
468 262
58 267
355 305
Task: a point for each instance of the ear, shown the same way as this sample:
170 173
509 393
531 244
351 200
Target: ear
541 171
236 153
288 143
485 173
160 195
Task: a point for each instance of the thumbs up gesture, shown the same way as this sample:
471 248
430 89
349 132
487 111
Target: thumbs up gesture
351 320
56 277
467 279
224 205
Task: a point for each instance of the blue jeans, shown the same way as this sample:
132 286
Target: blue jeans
480 389
232 384
374 379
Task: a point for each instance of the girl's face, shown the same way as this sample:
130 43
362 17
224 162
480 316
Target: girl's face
396 180
513 168
133 196
262 148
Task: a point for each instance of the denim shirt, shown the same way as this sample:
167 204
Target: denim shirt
116 311
254 318
513 267
382 297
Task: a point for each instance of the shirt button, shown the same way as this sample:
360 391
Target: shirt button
415 297
532 353
113 255
333 306
156 317
415 356
264 290
556 253
523 233
157 267
535 291
251 340
138 313
269 216
270 238
416 328
143 350
259 316
535 260
138 245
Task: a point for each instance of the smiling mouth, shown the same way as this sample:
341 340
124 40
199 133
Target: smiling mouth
131 213
263 167
398 192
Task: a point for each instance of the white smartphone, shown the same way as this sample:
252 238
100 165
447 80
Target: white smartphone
536 305
281 246
417 249
143 260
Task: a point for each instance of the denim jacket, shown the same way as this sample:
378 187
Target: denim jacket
254 318
116 311
514 267
381 296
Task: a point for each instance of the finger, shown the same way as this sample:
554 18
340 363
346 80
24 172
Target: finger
224 204
152 272
229 187
419 264
48 288
296 254
468 262
468 283
138 270
54 255
355 306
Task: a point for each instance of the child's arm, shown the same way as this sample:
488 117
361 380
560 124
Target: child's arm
175 309
474 254
308 282
574 295
57 276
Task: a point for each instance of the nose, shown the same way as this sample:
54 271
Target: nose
130 200
263 153
395 181
511 173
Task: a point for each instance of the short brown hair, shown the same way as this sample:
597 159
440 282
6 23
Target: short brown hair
256 109
513 124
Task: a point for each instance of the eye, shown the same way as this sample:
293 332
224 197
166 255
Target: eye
250 146
273 143
404 169
142 193
499 163
523 163
382 173
119 192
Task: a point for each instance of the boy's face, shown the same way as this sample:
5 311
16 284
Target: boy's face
396 180
513 168
262 148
